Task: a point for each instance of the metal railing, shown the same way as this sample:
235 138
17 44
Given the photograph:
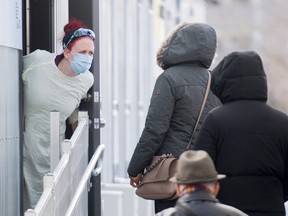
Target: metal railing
96 159
65 190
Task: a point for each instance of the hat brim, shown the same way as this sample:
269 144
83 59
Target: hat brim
179 181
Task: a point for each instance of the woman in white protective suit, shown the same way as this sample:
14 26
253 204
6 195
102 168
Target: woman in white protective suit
52 82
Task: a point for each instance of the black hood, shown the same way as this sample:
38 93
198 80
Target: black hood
240 76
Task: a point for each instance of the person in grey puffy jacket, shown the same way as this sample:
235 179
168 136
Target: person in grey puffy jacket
185 57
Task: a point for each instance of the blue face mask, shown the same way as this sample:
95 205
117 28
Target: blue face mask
81 62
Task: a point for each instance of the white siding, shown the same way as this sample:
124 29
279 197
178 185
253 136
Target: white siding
9 132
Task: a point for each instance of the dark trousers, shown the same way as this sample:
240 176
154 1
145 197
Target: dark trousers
164 204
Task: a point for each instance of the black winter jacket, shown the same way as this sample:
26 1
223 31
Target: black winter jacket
246 138
200 203
177 96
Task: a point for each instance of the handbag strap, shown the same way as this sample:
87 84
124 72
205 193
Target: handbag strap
158 161
201 110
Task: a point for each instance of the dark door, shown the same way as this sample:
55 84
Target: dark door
40 24
87 11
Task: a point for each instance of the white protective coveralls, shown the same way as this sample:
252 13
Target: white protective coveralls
46 89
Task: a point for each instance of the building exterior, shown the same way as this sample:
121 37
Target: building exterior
258 25
129 34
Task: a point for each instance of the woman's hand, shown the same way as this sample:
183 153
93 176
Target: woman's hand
135 181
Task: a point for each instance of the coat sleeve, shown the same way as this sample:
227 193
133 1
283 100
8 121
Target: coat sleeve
156 125
207 138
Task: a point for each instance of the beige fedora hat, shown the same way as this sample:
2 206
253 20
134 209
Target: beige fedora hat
195 167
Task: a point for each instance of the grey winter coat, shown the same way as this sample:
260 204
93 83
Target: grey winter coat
178 93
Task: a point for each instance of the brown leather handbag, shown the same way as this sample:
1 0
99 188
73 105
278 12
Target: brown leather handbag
155 184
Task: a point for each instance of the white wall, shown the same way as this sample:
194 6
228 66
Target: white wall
127 59
9 132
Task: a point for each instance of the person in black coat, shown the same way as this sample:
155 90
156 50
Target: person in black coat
197 184
246 138
185 57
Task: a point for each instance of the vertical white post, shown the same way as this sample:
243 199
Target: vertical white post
30 212
61 17
82 114
66 146
48 181
54 139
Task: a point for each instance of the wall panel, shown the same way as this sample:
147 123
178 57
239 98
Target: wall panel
9 132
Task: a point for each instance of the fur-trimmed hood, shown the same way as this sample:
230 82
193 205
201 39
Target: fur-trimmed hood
188 43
